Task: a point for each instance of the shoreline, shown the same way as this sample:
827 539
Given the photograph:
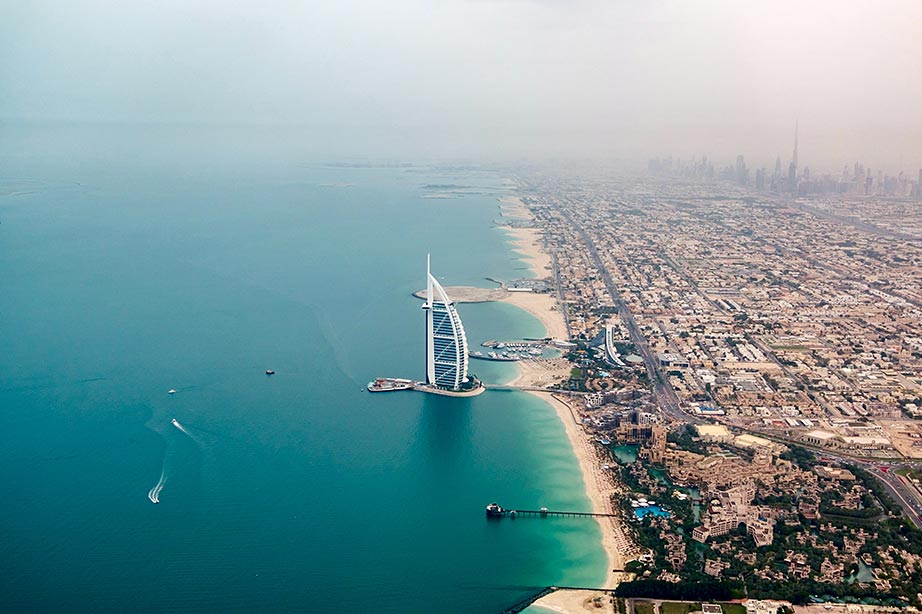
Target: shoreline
543 307
597 489
526 242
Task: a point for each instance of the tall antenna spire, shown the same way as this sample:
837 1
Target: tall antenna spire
796 126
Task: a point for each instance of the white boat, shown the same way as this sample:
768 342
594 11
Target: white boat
172 391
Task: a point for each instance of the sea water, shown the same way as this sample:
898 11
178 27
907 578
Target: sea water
134 261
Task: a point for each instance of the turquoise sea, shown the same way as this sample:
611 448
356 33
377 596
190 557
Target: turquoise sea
137 260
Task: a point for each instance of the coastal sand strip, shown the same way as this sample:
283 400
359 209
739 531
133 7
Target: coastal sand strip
544 307
527 243
568 601
598 489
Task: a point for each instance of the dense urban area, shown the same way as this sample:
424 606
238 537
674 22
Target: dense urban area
746 356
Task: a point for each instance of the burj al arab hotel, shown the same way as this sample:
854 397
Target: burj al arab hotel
446 344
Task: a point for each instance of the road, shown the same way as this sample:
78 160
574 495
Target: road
853 222
903 493
908 497
561 304
663 393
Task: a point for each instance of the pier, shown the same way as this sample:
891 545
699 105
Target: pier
527 388
497 511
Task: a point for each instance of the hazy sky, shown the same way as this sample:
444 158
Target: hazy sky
496 79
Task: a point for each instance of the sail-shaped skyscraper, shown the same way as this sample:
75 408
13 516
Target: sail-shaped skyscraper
446 344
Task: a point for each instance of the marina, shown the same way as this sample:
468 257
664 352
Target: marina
511 351
495 357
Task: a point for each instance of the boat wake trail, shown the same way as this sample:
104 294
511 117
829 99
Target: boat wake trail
154 493
186 432
176 423
174 453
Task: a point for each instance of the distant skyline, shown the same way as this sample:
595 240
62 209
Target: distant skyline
514 79
768 162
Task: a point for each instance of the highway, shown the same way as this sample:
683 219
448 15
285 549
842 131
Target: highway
902 492
907 496
663 393
561 304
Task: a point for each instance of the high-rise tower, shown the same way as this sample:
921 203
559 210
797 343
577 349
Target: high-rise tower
792 169
446 344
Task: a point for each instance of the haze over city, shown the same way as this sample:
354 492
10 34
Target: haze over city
492 80
469 306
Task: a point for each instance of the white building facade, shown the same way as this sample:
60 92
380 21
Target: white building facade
446 344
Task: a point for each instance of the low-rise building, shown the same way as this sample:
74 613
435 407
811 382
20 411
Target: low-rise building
716 433
822 438
834 473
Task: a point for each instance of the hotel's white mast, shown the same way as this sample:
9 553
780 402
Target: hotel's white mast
430 349
428 283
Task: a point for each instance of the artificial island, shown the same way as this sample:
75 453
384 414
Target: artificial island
446 350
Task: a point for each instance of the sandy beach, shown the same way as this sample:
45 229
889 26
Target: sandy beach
542 372
599 486
527 243
513 207
543 307
577 602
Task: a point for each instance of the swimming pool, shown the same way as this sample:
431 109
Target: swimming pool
647 510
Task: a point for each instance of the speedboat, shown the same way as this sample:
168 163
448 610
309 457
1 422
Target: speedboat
172 391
